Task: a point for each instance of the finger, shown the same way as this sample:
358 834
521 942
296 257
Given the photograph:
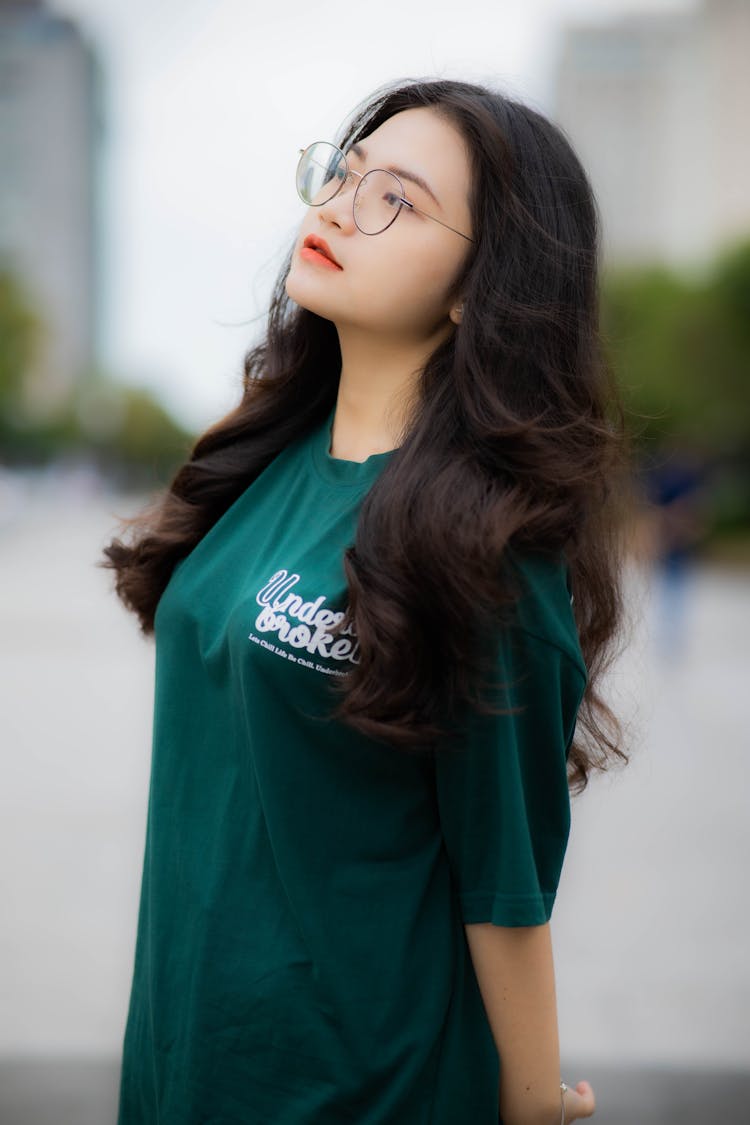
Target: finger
585 1099
579 1101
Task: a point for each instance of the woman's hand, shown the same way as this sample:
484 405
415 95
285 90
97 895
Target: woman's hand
579 1101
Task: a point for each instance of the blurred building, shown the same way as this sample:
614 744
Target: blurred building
50 127
656 106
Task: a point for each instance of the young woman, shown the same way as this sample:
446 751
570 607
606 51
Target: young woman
383 590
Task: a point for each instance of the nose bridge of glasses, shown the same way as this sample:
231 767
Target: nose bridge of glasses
341 193
348 178
351 177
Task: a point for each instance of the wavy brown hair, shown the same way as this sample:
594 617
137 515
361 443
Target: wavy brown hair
516 439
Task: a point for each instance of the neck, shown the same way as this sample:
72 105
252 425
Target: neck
376 391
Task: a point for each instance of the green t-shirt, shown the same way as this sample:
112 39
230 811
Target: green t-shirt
301 956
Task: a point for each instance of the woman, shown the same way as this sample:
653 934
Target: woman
383 589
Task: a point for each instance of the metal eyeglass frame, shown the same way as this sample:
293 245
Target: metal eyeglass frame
351 172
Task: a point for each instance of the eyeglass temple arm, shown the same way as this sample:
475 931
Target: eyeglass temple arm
414 207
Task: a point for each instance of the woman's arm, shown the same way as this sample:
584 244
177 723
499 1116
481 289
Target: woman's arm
515 972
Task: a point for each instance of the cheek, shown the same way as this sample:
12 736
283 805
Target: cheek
414 280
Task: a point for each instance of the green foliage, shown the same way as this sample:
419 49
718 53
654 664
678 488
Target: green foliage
731 280
122 429
20 330
682 354
681 351
127 432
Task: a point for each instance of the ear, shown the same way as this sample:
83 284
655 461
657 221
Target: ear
456 313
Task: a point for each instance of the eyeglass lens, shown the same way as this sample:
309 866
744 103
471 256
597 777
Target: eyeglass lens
321 173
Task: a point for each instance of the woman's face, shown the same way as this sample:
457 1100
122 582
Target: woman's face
397 282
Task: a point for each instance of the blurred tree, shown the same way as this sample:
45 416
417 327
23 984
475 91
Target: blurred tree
677 361
20 330
122 428
681 351
731 280
131 434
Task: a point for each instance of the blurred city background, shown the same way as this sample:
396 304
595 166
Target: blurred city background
147 156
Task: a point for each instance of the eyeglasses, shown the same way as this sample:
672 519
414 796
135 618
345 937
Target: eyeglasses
323 170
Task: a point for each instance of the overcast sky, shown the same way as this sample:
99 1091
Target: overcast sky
206 104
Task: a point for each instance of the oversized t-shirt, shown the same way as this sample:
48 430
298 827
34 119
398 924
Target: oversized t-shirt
301 956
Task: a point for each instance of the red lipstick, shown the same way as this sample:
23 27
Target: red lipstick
317 250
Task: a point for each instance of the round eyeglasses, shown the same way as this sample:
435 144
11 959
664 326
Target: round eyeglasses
323 170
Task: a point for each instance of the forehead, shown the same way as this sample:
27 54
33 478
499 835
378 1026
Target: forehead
423 140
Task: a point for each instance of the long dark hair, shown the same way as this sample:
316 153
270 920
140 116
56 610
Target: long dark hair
517 439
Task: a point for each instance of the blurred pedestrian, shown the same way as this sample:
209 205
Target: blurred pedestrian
676 480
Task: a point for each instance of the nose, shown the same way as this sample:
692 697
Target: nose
340 208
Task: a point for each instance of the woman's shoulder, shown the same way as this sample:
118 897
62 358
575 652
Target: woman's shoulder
545 604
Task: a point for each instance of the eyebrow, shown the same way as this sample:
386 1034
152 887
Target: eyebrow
402 173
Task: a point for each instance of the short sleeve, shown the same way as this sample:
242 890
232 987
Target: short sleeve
502 788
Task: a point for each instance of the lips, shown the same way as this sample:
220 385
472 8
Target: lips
312 242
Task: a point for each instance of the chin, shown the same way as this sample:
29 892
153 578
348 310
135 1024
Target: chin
305 300
293 293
